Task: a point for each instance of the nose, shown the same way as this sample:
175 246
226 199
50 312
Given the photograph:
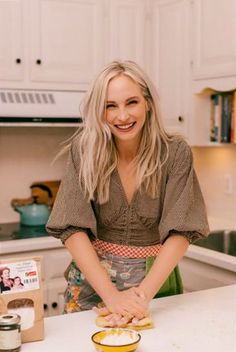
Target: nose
122 114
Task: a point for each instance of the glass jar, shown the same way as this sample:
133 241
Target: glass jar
10 333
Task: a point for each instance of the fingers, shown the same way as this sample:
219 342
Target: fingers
101 311
139 306
117 320
136 312
128 303
121 318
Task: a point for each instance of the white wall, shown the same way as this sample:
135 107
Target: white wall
26 156
212 165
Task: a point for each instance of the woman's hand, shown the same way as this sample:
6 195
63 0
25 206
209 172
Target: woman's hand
112 319
128 304
122 317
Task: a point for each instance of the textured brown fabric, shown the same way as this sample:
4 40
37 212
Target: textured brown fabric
179 208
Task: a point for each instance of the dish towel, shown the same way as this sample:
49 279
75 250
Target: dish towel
173 284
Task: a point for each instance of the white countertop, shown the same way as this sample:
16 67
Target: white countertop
203 321
29 244
209 256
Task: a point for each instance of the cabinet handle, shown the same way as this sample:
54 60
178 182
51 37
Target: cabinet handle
18 60
180 118
38 62
45 306
54 305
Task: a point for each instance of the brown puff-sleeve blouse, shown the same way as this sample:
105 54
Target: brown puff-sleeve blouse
179 207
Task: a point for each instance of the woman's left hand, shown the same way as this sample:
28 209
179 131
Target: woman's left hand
115 319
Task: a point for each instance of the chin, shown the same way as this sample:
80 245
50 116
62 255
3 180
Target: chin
127 138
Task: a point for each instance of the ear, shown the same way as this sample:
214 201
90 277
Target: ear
148 108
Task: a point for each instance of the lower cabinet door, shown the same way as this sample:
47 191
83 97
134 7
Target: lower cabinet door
55 297
45 300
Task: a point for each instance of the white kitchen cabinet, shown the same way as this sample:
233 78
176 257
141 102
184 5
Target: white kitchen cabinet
67 40
126 30
55 297
170 61
55 262
214 43
51 43
214 61
11 40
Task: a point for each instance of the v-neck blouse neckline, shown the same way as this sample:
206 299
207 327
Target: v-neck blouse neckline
119 182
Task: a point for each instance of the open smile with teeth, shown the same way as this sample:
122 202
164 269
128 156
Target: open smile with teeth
125 127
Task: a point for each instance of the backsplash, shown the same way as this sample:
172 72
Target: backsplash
26 155
216 170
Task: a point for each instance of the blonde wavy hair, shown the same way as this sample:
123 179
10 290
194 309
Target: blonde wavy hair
96 147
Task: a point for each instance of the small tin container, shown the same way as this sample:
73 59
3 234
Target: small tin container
10 333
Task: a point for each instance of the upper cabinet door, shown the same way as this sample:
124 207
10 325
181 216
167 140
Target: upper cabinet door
170 62
11 40
126 30
67 40
214 38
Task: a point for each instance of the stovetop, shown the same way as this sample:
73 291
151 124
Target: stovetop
16 231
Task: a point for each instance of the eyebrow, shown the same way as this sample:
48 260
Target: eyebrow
130 98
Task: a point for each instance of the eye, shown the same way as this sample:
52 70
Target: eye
133 102
110 106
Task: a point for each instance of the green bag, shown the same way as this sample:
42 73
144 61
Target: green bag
173 284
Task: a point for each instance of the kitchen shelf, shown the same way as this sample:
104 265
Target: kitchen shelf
213 145
202 115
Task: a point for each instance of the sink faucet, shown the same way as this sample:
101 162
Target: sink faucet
226 235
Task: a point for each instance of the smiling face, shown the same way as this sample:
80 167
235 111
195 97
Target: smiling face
17 281
5 274
125 109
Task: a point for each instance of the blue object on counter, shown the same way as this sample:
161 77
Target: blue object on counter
33 214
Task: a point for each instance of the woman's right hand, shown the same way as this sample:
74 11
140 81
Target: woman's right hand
128 303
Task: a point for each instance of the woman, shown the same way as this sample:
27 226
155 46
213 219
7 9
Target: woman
5 281
129 198
17 284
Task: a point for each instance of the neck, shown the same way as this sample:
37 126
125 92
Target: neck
127 150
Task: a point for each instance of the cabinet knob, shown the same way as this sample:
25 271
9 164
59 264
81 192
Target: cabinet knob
38 62
180 118
45 306
54 305
18 60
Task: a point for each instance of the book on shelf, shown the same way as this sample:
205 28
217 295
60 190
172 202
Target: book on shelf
223 117
226 117
233 119
216 109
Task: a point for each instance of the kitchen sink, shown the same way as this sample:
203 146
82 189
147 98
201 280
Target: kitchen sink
220 240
